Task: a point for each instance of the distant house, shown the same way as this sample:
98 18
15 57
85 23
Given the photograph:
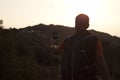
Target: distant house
1 23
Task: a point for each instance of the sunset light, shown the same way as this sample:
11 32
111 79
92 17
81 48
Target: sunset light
104 14
59 39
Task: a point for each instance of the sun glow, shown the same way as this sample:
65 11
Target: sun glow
93 8
90 7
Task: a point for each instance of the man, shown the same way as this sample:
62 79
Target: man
71 64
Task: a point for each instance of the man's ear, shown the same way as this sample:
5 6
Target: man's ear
87 26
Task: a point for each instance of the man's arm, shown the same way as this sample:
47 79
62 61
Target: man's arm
101 64
58 48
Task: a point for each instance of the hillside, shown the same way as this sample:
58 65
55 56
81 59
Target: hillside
25 53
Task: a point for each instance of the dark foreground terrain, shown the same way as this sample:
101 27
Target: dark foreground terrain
25 53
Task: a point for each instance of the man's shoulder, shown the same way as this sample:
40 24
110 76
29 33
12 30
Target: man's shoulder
77 39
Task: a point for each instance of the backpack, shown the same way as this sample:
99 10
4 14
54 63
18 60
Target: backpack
78 61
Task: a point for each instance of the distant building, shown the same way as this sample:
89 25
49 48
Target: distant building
1 23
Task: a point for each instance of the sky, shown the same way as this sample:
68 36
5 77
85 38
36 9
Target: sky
104 14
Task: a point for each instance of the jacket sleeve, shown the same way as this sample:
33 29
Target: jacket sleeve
101 64
61 45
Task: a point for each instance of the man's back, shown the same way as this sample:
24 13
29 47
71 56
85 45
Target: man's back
79 57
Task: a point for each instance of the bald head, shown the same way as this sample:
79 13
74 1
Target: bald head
82 22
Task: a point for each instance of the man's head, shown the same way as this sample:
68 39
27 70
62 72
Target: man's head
81 22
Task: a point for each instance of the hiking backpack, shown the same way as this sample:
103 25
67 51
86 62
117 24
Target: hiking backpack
79 58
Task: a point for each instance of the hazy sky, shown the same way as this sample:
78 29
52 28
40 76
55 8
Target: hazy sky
104 14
